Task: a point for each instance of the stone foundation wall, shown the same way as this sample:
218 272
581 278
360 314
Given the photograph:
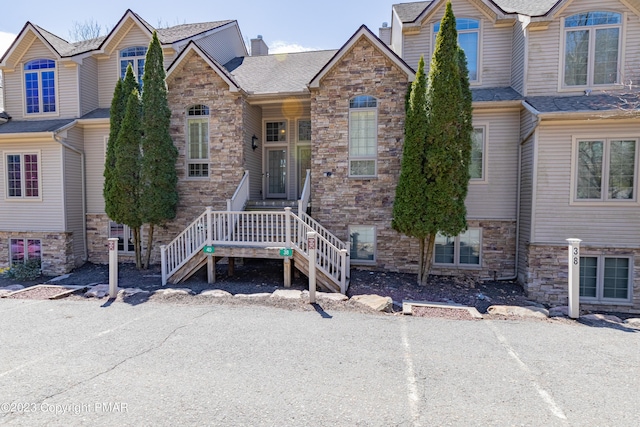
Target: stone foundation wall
548 275
57 250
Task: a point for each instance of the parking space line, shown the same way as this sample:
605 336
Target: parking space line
545 395
412 383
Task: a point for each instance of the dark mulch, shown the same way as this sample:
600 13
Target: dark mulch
260 276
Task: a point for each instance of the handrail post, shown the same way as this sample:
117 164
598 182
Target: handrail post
311 250
287 227
163 263
343 271
229 205
209 226
211 262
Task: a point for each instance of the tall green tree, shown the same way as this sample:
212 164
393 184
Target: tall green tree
159 195
410 203
440 191
125 199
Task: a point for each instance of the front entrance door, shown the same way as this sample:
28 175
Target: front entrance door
277 173
304 163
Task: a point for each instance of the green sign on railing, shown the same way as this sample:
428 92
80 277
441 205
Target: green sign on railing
286 252
209 249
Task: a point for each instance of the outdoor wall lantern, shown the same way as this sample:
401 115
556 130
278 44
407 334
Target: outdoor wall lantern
254 142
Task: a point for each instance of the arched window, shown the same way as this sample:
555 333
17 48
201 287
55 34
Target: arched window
135 56
363 136
198 141
591 48
468 39
40 86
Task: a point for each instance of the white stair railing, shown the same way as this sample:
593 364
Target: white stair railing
241 196
258 229
303 203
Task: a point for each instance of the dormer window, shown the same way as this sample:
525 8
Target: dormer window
468 40
592 49
40 86
134 56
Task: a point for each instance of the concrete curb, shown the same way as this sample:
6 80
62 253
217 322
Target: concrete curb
408 305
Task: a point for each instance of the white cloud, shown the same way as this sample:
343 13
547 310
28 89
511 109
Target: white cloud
5 41
279 46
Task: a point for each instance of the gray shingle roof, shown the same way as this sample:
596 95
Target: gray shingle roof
495 94
583 103
409 12
166 36
33 126
98 113
526 7
288 72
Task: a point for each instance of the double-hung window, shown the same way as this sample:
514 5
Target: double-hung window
468 39
461 250
606 169
22 176
592 49
363 136
40 86
198 141
124 235
135 56
605 278
476 167
23 250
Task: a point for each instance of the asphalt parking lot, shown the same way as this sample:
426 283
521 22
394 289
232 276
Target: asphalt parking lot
78 363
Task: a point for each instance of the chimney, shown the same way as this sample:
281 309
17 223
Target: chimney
385 33
259 47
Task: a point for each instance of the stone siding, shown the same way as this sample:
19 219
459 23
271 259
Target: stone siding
338 200
547 276
195 83
57 250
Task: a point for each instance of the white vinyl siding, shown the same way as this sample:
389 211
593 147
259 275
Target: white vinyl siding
73 192
518 58
495 197
46 213
95 148
253 158
223 45
526 191
556 216
89 99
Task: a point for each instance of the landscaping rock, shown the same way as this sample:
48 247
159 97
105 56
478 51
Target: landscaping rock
56 279
375 302
287 294
509 310
173 291
329 296
601 318
97 291
253 296
215 293
128 292
635 322
562 311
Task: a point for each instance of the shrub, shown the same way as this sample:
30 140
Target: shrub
30 270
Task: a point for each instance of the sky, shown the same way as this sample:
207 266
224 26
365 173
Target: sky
285 25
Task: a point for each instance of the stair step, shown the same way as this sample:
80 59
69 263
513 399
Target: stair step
271 205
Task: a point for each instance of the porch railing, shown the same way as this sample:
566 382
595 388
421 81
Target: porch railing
303 202
241 196
258 229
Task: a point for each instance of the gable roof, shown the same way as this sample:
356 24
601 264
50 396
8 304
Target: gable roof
365 32
278 73
410 12
215 65
65 49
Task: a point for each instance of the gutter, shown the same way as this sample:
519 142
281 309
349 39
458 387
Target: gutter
56 137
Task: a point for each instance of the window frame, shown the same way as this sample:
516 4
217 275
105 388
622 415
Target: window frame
204 116
298 122
127 249
23 197
478 31
366 158
25 243
592 29
40 88
483 178
606 166
456 252
600 271
283 137
359 261
136 71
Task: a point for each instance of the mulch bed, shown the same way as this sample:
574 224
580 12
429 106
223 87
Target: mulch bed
42 292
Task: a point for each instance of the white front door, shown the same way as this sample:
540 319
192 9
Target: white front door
277 173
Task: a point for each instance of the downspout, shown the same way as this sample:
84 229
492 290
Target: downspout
536 113
56 137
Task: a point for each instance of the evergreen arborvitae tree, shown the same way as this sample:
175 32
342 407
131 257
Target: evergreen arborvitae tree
410 203
116 114
434 177
125 200
159 196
